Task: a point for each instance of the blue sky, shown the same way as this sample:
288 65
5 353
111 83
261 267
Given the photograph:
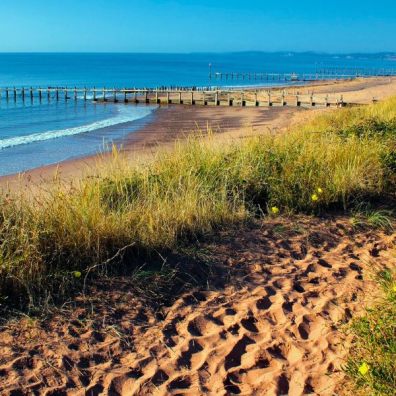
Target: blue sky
197 26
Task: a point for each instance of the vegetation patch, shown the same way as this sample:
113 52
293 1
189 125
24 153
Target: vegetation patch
372 363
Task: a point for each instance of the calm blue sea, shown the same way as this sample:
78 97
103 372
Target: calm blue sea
33 134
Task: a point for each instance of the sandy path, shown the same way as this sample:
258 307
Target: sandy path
268 323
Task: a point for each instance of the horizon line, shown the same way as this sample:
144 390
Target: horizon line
390 52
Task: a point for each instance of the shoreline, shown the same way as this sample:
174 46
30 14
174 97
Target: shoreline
171 122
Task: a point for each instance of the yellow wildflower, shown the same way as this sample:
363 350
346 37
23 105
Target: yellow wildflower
319 190
394 288
274 210
314 197
77 274
364 368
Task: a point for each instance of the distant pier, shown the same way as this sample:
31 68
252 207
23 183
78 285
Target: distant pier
322 74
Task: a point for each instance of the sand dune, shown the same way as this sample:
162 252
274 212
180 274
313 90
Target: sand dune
269 322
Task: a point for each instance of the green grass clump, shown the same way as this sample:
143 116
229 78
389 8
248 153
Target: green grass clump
372 218
372 363
203 183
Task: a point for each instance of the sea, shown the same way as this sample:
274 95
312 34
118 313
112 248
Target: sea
34 133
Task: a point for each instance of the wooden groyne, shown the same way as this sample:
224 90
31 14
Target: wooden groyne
181 96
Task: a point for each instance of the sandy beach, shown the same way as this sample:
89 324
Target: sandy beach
359 90
174 122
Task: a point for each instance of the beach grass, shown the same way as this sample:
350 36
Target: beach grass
51 241
372 365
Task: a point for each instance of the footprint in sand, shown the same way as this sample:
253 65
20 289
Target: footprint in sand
233 359
263 303
249 324
184 361
180 383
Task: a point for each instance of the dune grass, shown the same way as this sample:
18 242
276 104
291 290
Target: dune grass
365 217
50 242
372 364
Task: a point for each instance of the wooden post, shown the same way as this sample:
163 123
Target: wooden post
15 94
114 95
48 94
135 98
256 103
156 96
66 94
242 100
23 94
94 94
269 99
217 102
104 94
312 100
327 101
39 92
125 96
298 103
203 98
180 98
167 97
7 94
192 98
57 94
146 99
85 93
31 94
75 93
283 99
